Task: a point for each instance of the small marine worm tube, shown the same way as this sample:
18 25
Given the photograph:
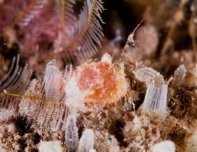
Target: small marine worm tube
180 74
156 94
71 133
86 142
156 97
